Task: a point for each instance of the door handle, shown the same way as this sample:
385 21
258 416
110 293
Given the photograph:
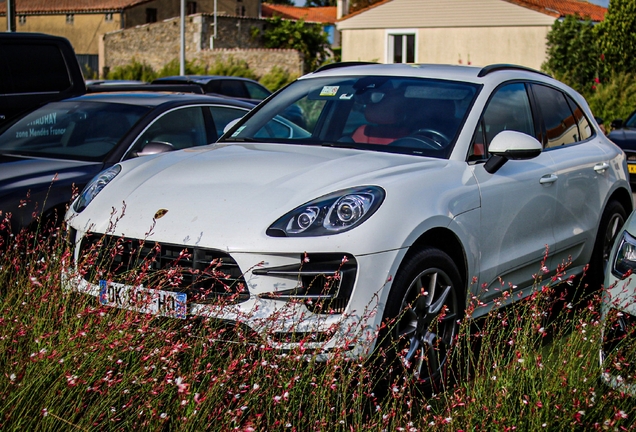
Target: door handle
548 179
601 167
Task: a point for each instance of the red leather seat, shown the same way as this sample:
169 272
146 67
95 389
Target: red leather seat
385 119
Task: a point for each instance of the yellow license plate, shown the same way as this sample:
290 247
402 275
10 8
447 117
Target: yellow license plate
631 168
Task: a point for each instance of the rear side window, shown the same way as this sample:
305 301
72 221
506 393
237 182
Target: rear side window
256 91
585 130
17 74
561 126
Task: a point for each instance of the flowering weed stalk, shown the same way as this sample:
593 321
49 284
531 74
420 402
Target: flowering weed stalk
69 363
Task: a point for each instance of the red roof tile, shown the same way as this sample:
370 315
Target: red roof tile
561 8
66 6
555 8
325 14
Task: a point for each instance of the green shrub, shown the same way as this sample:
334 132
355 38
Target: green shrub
615 98
133 71
277 78
191 68
232 67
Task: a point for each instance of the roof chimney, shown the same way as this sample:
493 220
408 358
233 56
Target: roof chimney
342 8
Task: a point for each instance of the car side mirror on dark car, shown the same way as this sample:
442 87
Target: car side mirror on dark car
617 124
154 147
511 145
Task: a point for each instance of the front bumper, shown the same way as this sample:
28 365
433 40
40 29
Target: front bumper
617 353
318 301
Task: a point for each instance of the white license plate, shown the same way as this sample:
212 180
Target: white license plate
144 300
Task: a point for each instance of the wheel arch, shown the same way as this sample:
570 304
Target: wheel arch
447 241
623 196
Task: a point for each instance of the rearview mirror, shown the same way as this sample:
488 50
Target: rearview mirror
231 124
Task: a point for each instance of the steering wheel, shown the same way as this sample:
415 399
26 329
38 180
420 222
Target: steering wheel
423 138
438 137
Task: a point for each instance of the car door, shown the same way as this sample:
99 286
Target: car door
518 201
582 169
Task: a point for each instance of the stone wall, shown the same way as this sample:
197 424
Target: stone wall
158 43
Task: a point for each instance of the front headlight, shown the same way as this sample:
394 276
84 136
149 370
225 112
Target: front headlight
331 214
95 186
625 262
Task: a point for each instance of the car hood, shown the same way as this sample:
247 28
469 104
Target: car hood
228 194
22 172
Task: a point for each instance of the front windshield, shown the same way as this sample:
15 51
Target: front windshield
381 113
631 121
77 130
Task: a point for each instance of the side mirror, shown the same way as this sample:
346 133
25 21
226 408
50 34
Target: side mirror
155 147
511 145
617 124
231 124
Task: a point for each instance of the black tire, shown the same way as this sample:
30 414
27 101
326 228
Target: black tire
422 317
612 221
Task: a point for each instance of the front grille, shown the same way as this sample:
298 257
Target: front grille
205 275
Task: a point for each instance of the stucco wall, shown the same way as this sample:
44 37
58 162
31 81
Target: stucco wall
84 33
157 44
481 45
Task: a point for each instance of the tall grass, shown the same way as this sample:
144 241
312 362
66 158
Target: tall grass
68 363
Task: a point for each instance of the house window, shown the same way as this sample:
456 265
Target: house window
151 15
70 18
191 7
401 47
108 16
240 10
22 19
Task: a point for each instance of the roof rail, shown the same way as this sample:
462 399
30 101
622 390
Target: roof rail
503 66
342 64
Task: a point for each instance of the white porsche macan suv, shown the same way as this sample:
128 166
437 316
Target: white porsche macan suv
408 192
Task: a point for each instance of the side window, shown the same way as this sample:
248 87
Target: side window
256 91
585 130
560 125
223 115
182 128
508 109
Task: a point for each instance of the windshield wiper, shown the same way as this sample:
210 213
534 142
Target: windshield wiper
238 139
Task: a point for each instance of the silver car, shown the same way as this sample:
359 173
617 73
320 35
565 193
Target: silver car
412 191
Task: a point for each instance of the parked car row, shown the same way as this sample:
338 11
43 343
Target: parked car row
357 196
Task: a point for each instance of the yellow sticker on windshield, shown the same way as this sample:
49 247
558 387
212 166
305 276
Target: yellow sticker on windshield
329 90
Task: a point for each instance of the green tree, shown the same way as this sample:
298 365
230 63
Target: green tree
309 39
319 3
617 37
573 55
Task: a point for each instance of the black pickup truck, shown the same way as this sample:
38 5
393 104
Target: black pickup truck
35 69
